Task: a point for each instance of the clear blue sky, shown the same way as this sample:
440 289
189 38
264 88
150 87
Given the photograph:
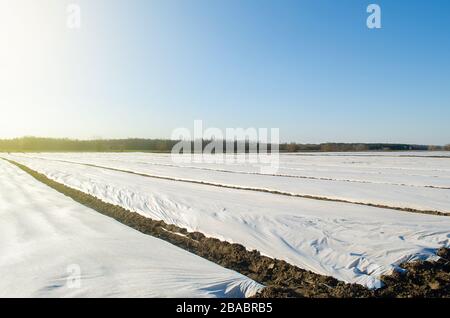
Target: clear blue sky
141 68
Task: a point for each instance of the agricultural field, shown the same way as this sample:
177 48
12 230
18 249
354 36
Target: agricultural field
45 238
352 216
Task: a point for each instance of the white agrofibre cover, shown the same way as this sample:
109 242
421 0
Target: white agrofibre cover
45 238
351 242
420 183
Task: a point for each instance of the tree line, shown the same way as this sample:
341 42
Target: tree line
37 144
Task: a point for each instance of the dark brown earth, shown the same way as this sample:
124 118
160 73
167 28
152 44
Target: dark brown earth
419 279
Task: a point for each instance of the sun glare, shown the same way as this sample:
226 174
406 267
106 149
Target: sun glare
29 39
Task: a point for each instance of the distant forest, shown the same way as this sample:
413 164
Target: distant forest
35 144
